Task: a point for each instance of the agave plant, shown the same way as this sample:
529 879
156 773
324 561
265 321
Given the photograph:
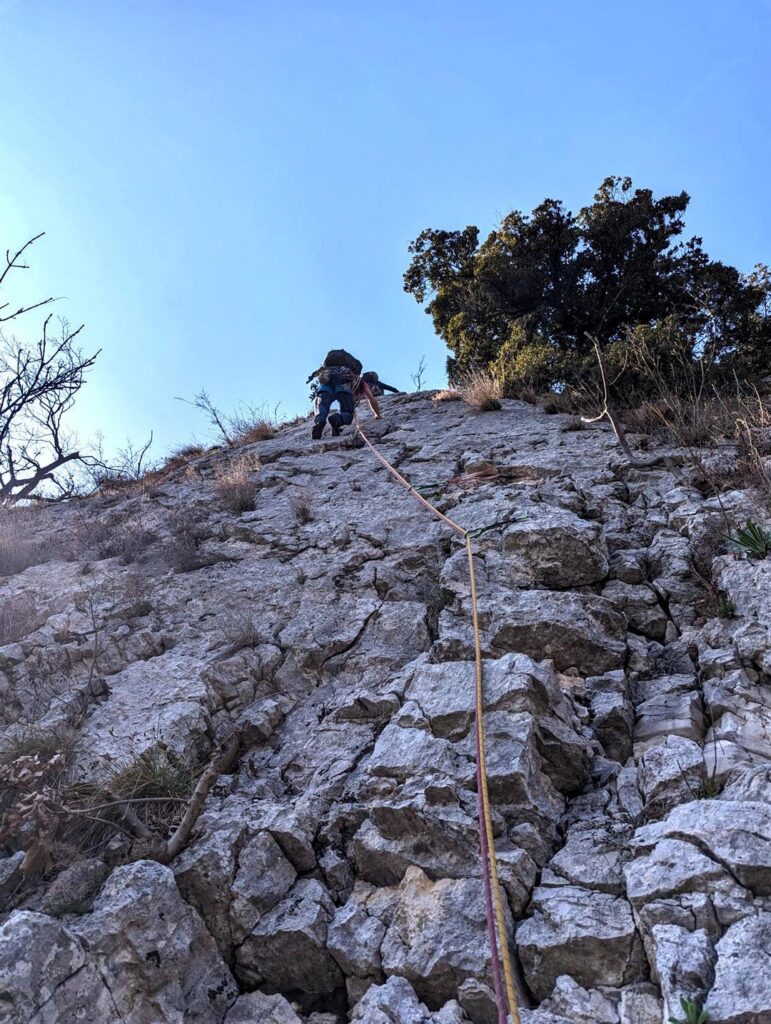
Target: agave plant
693 1013
752 540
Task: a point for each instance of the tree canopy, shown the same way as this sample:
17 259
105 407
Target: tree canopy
524 302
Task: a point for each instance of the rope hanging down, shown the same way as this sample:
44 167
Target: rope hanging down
503 974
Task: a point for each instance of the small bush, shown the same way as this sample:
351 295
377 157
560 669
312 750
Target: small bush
481 390
529 395
302 505
19 547
237 631
555 403
234 486
259 430
18 618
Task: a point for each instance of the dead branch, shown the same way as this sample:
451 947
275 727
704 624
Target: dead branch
606 412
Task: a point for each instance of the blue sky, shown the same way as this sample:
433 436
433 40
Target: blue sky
229 188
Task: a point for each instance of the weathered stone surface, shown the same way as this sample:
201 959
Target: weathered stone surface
162 700
74 890
555 548
589 858
671 772
153 950
678 714
613 723
10 876
288 948
574 630
674 867
437 936
340 645
682 963
641 607
589 935
258 1008
736 835
47 977
385 1004
574 1003
741 993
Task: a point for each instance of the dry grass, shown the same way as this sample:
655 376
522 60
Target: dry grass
480 389
302 505
56 822
236 631
18 618
555 403
19 545
448 395
529 395
234 485
259 430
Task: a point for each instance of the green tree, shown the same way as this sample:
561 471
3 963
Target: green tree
523 301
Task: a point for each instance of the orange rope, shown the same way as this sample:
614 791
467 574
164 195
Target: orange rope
496 921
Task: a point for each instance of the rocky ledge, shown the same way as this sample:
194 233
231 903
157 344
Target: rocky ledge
334 872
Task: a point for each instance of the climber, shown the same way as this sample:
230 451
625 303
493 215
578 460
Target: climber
339 380
377 386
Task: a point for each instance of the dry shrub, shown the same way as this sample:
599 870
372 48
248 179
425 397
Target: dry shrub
55 821
181 552
529 395
236 631
19 546
127 543
18 618
234 485
481 389
259 430
559 402
448 395
179 459
302 505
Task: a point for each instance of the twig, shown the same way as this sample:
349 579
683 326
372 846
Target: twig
606 413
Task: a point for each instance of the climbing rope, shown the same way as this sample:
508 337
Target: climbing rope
503 973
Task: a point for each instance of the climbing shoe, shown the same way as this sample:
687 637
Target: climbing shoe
335 423
318 430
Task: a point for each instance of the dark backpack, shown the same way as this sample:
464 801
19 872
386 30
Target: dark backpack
339 357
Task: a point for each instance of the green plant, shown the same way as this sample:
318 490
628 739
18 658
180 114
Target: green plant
693 1013
751 540
725 606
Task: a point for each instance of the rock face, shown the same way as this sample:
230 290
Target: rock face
334 874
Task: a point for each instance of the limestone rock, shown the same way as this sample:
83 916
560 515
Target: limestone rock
589 935
47 977
732 833
437 936
575 1004
288 948
671 772
683 963
257 1008
741 993
153 950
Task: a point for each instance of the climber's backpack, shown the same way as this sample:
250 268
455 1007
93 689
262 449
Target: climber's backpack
339 357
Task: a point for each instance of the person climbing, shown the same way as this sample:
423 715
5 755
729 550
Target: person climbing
377 386
339 379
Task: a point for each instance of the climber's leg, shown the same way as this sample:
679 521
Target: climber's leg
325 399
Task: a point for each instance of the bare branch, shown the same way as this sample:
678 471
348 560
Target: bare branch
606 412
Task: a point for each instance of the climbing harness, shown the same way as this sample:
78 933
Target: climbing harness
503 972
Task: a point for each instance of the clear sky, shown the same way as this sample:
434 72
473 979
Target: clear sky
228 188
